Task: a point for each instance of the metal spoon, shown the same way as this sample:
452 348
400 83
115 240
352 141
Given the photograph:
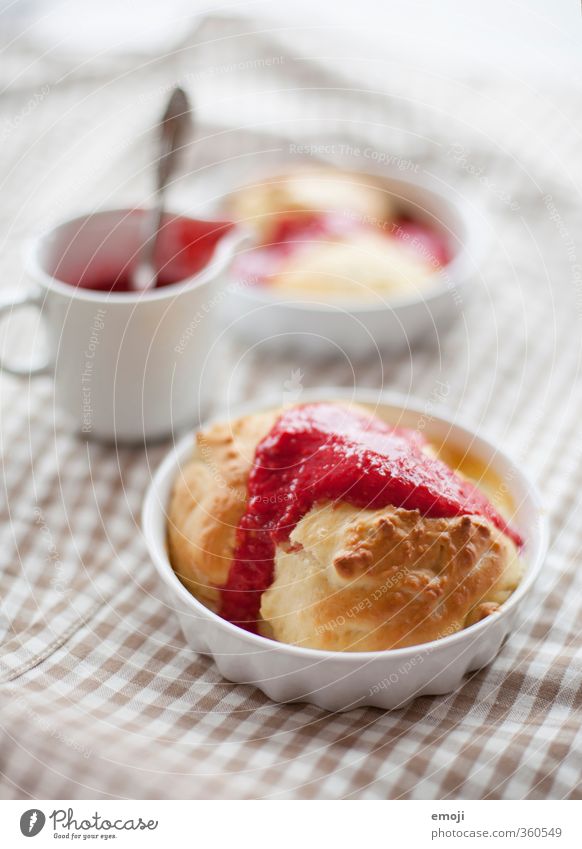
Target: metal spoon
175 126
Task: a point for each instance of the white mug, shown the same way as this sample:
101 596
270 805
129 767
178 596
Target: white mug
127 365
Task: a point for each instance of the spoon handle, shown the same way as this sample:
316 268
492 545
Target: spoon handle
175 126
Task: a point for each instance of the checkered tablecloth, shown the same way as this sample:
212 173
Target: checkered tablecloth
101 696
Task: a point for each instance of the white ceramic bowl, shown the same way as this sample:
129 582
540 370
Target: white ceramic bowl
258 315
340 681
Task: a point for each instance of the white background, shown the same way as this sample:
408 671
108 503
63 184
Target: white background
534 39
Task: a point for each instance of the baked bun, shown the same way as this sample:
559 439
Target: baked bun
328 235
208 501
367 580
304 191
346 579
366 267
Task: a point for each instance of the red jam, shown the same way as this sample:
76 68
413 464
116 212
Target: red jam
185 246
319 452
292 232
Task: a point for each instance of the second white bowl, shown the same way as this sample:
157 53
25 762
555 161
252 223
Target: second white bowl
258 315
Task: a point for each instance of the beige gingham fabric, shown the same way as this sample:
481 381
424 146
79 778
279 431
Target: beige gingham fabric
101 697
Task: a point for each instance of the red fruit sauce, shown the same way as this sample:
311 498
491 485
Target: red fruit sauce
185 246
322 452
292 232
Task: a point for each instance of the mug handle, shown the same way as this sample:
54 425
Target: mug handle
6 308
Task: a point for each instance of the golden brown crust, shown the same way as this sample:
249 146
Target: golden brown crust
366 580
